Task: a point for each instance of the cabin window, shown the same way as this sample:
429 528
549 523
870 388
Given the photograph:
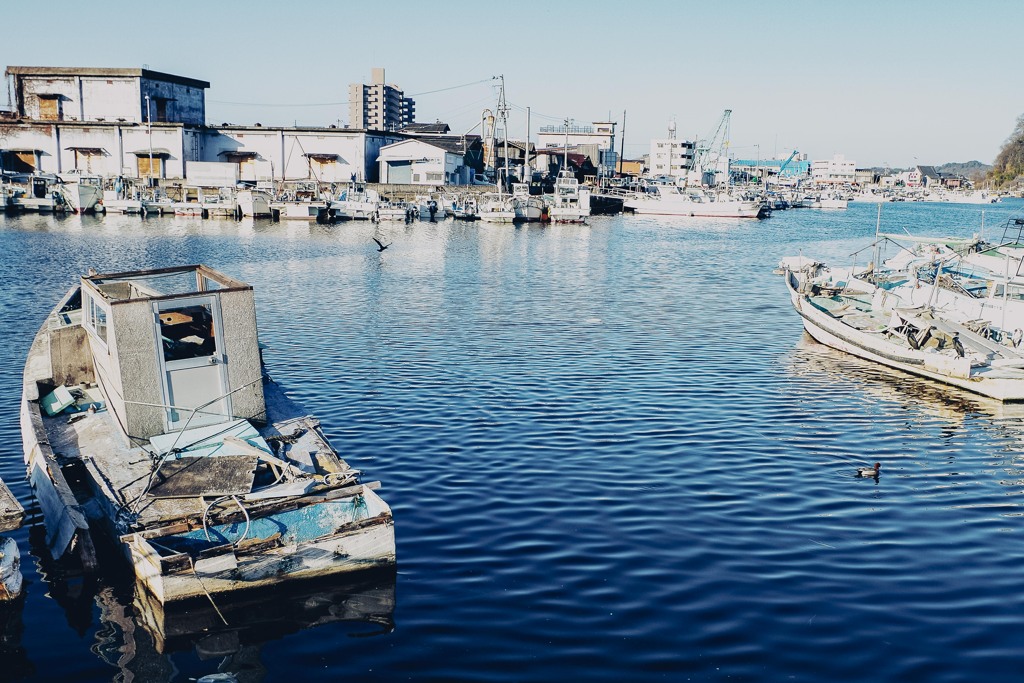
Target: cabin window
187 332
96 318
1014 292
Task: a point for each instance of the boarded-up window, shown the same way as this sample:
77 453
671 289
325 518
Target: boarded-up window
323 168
247 169
150 171
49 109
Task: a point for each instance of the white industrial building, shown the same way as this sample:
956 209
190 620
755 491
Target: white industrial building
834 171
418 162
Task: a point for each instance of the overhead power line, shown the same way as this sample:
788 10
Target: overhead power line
338 104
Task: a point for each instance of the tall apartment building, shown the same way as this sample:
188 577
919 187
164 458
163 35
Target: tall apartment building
379 106
671 157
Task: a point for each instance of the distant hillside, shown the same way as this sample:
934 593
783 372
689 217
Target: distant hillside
974 170
969 169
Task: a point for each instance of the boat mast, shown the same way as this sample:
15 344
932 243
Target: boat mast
565 150
503 112
527 175
622 145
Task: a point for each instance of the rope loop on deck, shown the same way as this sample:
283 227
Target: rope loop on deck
216 501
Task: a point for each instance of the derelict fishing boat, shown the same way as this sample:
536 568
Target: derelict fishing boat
848 314
147 415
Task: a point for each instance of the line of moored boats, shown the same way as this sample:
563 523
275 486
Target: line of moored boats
950 310
568 201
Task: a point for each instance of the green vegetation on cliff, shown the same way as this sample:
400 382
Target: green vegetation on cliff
1009 164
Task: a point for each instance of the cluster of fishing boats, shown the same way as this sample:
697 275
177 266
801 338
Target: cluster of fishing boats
569 202
949 309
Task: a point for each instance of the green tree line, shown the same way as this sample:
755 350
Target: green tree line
1009 164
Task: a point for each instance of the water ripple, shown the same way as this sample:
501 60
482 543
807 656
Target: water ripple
611 452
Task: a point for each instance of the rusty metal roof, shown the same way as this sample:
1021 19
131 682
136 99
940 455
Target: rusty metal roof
43 71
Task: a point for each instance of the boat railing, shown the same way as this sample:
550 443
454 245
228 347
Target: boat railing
1013 231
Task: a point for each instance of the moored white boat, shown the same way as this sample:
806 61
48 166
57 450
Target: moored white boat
393 211
672 200
356 202
843 312
297 209
497 208
253 203
81 192
570 203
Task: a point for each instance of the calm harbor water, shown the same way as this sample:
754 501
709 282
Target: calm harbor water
611 452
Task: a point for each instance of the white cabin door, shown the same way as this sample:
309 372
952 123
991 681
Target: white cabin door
193 362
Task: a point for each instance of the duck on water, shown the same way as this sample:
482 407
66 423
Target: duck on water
147 415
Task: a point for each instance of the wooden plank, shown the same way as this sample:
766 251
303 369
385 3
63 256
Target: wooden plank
189 477
174 318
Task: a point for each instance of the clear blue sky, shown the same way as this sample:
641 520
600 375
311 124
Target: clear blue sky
896 82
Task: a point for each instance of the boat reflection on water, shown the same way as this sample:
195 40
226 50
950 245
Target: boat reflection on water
139 636
13 654
817 363
227 625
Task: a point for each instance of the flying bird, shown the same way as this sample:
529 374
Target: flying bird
380 246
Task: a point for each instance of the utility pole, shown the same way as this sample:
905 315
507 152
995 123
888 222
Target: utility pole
622 142
149 127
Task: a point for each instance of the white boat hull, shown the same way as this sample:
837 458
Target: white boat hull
671 207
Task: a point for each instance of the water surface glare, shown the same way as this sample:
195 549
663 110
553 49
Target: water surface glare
611 452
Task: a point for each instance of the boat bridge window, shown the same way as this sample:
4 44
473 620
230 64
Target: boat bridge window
187 332
96 318
1015 292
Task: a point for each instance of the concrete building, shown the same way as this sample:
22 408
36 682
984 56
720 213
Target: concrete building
115 95
96 121
670 157
379 105
329 155
110 122
596 141
834 171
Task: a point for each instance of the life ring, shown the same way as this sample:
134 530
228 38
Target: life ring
1018 334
